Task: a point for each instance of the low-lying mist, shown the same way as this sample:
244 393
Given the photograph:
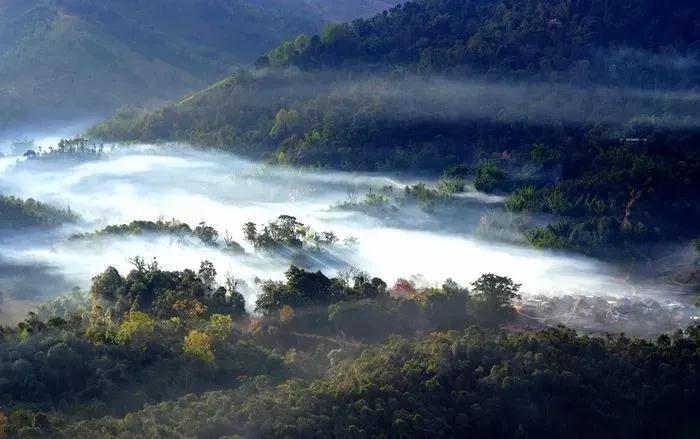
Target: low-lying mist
146 182
585 100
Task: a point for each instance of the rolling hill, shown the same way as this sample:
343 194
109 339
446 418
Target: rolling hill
73 58
582 109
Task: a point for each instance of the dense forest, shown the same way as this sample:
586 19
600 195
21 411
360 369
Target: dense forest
567 107
414 362
566 130
17 213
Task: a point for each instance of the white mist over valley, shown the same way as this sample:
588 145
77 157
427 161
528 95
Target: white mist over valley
147 182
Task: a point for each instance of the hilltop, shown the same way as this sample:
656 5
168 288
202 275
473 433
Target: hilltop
68 59
576 109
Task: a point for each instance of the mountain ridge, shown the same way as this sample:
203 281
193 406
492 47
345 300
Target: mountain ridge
78 58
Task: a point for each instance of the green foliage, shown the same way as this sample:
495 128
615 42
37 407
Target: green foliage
350 121
451 185
544 37
16 213
113 351
489 178
467 382
172 227
135 324
291 239
548 383
285 231
430 309
198 344
494 297
287 122
336 334
524 199
593 176
220 326
163 293
305 289
385 201
207 234
381 202
612 200
593 236
426 198
77 148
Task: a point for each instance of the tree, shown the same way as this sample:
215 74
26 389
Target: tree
250 232
286 122
495 295
206 233
3 425
403 288
329 238
287 314
220 326
207 273
136 324
235 299
198 344
106 289
489 177
231 245
303 288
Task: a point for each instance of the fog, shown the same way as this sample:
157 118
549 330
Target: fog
532 102
146 182
617 98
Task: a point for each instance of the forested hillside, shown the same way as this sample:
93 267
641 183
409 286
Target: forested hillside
532 36
529 187
336 104
328 357
60 59
551 383
574 108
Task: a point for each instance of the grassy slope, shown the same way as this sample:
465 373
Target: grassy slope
58 58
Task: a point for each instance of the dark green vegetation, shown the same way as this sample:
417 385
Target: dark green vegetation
387 200
574 108
288 233
16 213
343 356
207 234
288 238
62 59
340 125
571 109
626 196
126 343
78 148
551 383
155 335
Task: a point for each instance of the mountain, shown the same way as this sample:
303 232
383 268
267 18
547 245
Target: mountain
77 57
583 44
581 117
577 109
534 36
346 10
